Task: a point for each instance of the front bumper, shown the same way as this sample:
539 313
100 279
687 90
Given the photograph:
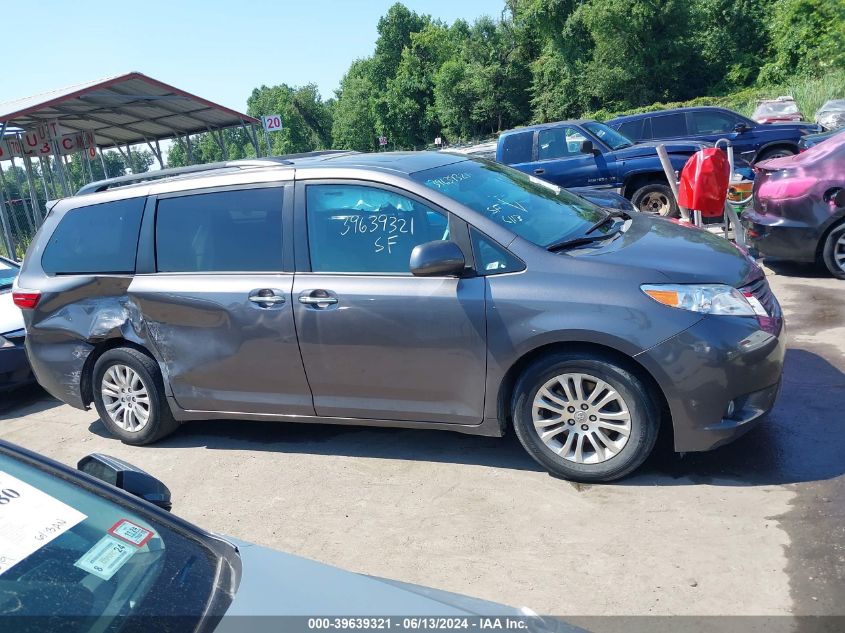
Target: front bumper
778 238
14 368
720 377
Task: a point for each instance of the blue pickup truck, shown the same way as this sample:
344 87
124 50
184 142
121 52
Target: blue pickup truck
752 141
587 153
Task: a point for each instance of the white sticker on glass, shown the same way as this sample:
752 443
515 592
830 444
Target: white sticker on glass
106 557
29 519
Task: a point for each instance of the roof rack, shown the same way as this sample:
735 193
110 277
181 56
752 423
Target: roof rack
246 163
102 185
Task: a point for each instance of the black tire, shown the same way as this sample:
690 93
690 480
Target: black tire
656 198
160 420
644 416
834 246
775 152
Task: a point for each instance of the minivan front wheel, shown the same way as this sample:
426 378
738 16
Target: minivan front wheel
129 396
584 418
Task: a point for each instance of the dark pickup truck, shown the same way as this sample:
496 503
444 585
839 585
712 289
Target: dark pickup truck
587 153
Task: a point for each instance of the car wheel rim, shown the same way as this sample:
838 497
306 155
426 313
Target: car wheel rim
581 418
655 203
125 398
839 252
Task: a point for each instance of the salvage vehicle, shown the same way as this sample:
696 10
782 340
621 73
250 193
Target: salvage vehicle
831 116
96 549
577 154
814 139
419 289
782 109
14 366
799 207
752 141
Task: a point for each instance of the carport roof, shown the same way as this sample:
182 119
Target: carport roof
130 108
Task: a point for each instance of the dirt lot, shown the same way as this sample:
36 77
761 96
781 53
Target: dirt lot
753 528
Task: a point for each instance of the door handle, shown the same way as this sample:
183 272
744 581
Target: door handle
539 171
311 301
266 297
271 299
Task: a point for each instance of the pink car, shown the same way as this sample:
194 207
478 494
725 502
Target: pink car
799 207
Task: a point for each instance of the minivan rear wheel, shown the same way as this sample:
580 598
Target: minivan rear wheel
129 396
584 418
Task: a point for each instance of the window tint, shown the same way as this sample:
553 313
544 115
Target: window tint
559 142
360 229
101 238
632 129
712 123
668 125
220 232
517 148
490 257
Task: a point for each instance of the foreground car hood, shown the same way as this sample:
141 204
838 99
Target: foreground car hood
11 317
683 253
650 148
275 583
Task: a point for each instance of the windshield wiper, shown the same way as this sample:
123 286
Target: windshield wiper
610 215
578 241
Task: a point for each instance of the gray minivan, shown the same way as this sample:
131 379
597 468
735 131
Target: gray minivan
423 290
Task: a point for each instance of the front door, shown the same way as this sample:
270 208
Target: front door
218 308
561 161
377 342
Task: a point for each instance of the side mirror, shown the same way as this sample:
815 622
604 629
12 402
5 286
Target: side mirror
741 128
126 477
435 259
587 147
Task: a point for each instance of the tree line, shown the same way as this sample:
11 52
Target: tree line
543 60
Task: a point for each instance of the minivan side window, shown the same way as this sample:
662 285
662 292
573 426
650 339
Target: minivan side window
97 239
517 148
224 231
668 125
490 257
360 229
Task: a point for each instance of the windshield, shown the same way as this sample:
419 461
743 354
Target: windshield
65 550
8 272
608 136
536 210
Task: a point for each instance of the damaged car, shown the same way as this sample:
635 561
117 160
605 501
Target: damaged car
422 290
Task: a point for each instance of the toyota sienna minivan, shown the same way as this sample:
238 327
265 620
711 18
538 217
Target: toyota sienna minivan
423 290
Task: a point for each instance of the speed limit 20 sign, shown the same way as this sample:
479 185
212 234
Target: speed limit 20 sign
272 122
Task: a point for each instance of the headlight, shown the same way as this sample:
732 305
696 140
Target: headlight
704 298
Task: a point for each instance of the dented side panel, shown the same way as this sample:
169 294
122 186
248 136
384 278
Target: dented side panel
75 314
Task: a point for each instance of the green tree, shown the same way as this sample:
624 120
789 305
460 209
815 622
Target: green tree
353 119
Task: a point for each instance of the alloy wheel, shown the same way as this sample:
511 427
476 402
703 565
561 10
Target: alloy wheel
838 253
581 418
125 398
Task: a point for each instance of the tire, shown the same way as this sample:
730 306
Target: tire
775 152
621 455
655 198
125 368
833 252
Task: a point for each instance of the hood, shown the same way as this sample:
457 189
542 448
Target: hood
11 317
274 583
792 125
683 253
649 148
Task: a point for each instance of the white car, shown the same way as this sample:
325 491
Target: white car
14 366
831 116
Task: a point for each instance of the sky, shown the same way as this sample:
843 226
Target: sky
217 50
